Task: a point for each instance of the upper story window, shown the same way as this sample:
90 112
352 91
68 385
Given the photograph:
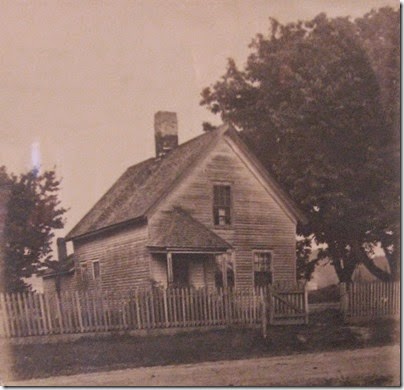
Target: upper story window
222 205
83 271
96 269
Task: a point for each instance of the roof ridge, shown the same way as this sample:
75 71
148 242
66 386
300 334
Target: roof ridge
168 154
142 185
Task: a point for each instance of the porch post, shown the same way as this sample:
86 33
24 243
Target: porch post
224 269
170 276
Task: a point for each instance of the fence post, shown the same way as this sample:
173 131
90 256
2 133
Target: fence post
42 314
271 305
226 306
264 314
306 306
78 308
4 316
59 312
165 307
344 300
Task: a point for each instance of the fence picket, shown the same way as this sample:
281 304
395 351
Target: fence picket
30 309
4 317
370 300
94 311
10 310
23 316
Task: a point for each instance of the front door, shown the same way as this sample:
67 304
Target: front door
180 272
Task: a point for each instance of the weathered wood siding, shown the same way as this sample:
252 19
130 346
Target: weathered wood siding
159 269
258 221
123 256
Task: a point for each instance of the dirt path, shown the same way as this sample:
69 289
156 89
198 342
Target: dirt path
302 369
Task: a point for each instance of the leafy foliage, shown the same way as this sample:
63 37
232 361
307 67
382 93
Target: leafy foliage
33 212
310 104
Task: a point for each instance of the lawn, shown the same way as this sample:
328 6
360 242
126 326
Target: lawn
325 332
325 294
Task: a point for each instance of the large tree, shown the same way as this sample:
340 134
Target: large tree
33 212
310 104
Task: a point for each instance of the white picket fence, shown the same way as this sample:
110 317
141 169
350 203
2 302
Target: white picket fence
370 300
33 314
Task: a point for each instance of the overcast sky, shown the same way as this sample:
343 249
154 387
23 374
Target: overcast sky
81 80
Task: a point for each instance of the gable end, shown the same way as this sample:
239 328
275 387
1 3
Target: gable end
262 175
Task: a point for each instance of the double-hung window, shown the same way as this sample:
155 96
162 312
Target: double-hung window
262 268
83 271
222 205
96 270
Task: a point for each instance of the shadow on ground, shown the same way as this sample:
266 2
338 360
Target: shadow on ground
325 332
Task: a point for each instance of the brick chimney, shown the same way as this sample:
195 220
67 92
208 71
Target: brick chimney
165 132
62 250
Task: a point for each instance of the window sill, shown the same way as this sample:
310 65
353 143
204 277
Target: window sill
222 227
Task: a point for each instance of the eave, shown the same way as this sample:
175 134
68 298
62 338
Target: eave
134 221
155 249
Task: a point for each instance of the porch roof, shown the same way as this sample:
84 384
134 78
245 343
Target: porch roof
178 230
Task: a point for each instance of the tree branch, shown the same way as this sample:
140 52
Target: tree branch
374 269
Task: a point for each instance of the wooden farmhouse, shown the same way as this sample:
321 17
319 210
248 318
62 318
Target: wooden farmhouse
201 214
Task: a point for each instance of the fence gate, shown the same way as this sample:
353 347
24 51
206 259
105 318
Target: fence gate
287 307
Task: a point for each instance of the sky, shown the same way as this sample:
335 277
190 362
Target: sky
80 81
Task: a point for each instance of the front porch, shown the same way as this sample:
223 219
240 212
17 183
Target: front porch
185 253
186 269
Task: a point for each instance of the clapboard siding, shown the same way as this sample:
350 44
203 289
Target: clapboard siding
159 269
123 256
258 220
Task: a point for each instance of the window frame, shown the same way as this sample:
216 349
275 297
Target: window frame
83 266
93 270
271 265
217 207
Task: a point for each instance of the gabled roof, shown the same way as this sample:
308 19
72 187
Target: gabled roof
144 184
178 230
141 186
286 201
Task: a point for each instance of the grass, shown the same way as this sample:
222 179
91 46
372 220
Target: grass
325 332
325 294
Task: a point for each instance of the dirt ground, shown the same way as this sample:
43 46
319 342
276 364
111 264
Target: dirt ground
325 368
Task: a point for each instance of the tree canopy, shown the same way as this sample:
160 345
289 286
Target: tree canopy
33 212
314 103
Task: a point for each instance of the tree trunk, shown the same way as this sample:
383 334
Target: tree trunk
370 265
344 269
393 257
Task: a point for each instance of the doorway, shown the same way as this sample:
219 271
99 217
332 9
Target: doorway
180 271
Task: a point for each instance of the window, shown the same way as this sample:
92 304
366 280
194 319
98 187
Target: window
222 205
262 268
219 278
96 269
83 271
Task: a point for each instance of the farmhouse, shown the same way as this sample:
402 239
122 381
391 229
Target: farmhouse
201 214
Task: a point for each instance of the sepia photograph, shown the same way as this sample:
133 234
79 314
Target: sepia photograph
200 193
